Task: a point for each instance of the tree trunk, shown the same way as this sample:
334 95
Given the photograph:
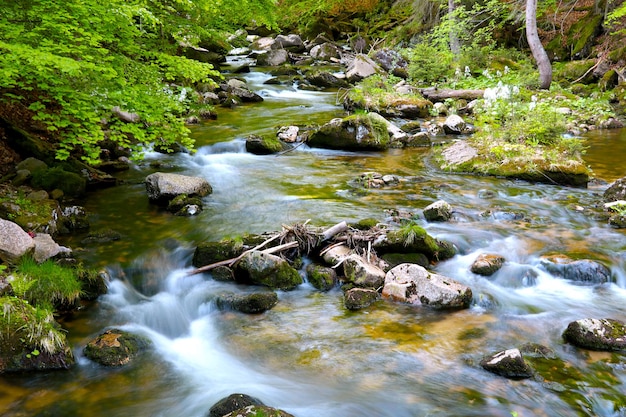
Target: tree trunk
539 54
455 45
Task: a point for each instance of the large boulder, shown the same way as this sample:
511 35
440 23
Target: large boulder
597 334
413 284
260 268
325 79
414 239
291 42
272 58
356 132
115 347
583 271
163 187
253 303
325 52
361 67
509 363
14 242
454 125
260 145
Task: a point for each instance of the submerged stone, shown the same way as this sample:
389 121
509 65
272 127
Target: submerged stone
257 302
358 298
584 271
321 277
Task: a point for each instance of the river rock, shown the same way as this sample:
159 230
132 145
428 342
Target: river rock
597 334
260 268
231 403
273 58
244 94
321 277
14 242
487 264
616 191
325 52
359 298
288 134
508 363
325 79
254 303
362 273
584 271
336 254
265 43
356 132
411 283
454 125
260 145
439 211
361 67
47 248
258 411
291 42
389 59
31 165
163 187
395 133
414 239
115 347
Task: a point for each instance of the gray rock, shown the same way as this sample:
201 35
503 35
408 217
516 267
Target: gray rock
162 187
325 79
31 164
273 58
254 303
616 191
439 211
288 134
47 248
454 125
358 298
291 42
336 254
411 283
361 67
325 52
597 334
362 273
508 363
14 242
583 271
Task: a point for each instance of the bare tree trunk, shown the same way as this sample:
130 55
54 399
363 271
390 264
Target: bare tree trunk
539 54
455 45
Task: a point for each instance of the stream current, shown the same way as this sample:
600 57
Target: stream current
308 355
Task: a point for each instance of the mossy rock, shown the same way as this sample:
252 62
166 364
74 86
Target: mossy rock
365 224
70 183
356 132
321 277
231 403
207 253
597 334
258 411
30 339
395 259
269 270
115 347
359 298
253 303
93 283
263 145
415 239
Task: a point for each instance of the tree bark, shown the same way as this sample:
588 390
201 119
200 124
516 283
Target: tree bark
539 53
455 44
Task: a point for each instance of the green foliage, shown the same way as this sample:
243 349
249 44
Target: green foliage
66 64
46 285
30 326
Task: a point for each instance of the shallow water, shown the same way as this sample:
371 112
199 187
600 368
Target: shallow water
309 355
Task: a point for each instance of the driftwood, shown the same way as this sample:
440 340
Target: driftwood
435 94
325 235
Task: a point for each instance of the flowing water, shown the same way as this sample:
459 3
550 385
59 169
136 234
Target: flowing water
310 356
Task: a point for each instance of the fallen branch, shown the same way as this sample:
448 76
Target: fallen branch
230 262
335 230
435 94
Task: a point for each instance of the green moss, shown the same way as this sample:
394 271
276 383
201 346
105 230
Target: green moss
115 347
365 224
57 178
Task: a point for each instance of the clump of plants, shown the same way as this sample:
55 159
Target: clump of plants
46 285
